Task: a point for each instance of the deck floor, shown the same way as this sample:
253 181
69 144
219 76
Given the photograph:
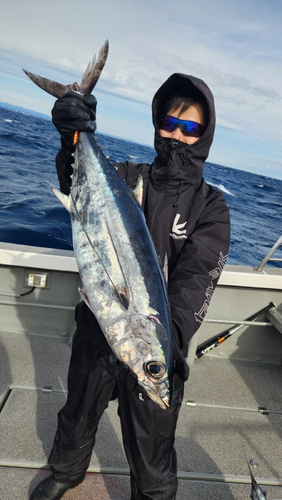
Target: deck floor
219 425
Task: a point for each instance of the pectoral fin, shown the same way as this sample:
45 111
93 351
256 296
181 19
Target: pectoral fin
84 297
121 287
138 190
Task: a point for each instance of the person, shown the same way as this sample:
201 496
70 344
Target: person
189 222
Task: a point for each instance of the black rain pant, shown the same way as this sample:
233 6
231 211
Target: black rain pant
148 431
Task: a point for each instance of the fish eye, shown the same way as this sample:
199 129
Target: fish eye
155 369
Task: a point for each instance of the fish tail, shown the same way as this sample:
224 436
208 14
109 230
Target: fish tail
94 70
89 79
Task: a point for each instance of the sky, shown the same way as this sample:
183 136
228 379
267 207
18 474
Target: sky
235 47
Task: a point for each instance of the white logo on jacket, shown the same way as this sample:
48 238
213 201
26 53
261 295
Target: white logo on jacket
214 274
178 233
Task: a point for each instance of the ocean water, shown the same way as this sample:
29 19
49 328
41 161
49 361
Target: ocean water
31 215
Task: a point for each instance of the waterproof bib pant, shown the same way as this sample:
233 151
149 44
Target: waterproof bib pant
148 431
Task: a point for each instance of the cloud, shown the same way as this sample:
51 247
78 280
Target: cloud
233 46
226 124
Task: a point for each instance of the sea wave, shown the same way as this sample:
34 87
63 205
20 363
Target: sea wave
221 187
263 186
31 215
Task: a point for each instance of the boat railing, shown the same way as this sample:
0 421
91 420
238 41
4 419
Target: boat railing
268 258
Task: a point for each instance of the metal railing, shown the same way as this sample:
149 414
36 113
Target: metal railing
270 253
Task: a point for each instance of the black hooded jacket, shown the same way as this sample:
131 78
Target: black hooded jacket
188 219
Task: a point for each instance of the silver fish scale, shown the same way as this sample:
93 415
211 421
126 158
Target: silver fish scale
117 261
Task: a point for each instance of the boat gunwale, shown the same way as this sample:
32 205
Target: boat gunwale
51 259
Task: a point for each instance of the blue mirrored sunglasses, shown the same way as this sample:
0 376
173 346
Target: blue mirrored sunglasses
188 128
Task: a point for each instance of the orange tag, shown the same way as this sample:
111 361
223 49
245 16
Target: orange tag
75 137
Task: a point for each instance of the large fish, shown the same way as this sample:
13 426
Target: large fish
122 279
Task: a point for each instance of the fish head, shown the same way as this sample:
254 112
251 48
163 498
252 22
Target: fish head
157 364
143 344
156 382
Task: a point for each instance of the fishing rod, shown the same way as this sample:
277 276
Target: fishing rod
211 344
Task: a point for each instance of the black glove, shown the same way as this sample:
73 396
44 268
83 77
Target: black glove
64 161
122 373
181 367
74 112
70 113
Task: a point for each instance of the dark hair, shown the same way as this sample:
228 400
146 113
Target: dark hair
182 98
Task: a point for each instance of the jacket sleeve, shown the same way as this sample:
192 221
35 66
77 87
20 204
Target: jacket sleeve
130 171
192 283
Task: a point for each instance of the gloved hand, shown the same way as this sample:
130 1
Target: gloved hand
70 113
64 161
122 373
181 367
73 112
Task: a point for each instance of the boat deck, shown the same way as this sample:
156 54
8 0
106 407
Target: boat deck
219 426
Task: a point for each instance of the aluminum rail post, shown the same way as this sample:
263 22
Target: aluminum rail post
270 253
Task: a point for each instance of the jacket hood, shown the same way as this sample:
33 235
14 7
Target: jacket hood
177 161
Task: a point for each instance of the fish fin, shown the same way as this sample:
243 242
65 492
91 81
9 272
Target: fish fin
89 79
93 70
124 297
165 268
63 198
84 297
138 190
122 290
54 88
